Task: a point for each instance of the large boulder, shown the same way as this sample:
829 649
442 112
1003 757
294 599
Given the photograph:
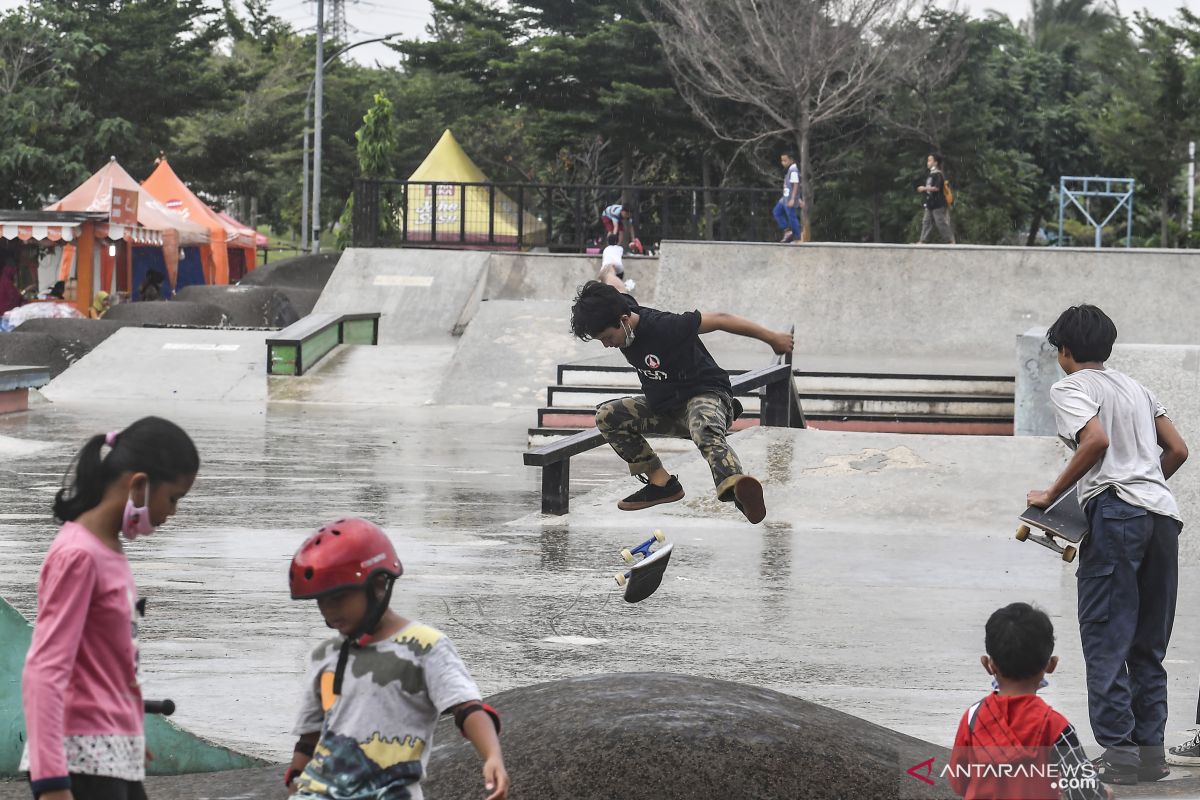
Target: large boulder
169 312
653 736
245 306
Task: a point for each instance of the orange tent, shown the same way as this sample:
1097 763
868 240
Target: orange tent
224 233
156 224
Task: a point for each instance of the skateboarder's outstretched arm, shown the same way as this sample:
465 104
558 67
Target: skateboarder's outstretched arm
1093 444
779 341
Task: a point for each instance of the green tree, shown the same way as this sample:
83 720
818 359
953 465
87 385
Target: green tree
39 109
376 159
1142 116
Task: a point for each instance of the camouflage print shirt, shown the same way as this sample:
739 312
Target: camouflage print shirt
377 735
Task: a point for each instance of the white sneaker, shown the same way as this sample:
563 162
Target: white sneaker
1186 754
629 285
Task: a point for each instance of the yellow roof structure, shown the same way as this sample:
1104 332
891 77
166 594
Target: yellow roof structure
463 212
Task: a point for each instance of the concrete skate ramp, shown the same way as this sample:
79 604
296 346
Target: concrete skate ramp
656 736
169 312
175 751
555 276
54 343
396 376
244 306
422 295
301 278
301 272
964 301
168 364
510 353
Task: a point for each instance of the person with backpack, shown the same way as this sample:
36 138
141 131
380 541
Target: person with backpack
937 202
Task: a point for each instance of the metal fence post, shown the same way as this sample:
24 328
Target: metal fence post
491 213
520 215
462 213
433 217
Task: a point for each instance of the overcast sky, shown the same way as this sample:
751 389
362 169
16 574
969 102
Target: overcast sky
371 18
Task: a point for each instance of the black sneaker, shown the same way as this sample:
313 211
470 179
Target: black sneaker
1119 774
1186 754
1152 771
651 495
787 237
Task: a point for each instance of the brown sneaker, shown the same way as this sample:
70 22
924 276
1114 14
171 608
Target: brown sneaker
651 495
748 497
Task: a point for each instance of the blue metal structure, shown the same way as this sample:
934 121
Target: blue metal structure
1072 188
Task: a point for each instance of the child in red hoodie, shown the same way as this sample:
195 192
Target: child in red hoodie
1012 744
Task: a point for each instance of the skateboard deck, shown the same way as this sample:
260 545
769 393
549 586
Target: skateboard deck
1064 520
644 577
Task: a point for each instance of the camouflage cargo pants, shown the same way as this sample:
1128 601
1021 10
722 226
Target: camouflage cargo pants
705 420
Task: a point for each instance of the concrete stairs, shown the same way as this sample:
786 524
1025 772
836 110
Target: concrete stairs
970 404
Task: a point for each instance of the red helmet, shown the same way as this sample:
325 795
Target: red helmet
345 554
636 248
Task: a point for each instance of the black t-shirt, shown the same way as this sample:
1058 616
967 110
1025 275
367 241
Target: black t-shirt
935 199
672 363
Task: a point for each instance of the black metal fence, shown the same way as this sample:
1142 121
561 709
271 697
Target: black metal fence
563 218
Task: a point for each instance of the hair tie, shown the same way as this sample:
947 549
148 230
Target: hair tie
110 438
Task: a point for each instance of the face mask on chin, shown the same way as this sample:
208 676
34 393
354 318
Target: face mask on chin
629 335
136 521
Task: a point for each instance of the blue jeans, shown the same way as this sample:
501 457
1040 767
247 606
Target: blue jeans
786 217
1127 577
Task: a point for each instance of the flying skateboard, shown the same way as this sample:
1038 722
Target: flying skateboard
644 577
1064 520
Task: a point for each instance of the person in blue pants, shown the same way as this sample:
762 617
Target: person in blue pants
788 208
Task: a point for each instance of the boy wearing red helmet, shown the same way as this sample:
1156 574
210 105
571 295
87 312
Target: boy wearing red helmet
373 694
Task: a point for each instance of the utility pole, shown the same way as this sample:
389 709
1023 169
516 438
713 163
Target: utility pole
1191 185
318 112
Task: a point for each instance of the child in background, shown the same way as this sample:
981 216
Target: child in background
1014 729
80 685
612 257
373 694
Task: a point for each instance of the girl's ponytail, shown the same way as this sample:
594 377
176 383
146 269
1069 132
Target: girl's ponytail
152 445
91 480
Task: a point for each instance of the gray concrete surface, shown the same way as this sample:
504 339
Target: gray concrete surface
1037 371
174 364
510 353
866 590
422 295
244 306
964 301
546 276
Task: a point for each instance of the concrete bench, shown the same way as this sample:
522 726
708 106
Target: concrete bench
15 383
298 347
779 407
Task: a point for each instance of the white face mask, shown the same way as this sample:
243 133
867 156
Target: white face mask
136 521
629 337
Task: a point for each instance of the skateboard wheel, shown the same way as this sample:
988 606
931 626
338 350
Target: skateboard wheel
659 537
1069 553
620 578
1022 533
627 555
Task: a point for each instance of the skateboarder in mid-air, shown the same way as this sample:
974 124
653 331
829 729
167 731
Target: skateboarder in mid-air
684 392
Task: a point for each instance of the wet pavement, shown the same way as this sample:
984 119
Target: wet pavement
866 590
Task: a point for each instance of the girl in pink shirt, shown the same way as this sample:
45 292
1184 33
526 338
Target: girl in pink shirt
80 686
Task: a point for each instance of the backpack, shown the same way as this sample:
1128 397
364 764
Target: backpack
947 192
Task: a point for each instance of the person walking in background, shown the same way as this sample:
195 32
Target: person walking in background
788 208
937 210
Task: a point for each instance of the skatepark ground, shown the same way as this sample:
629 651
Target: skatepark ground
866 589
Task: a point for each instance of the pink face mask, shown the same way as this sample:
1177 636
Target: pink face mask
137 520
